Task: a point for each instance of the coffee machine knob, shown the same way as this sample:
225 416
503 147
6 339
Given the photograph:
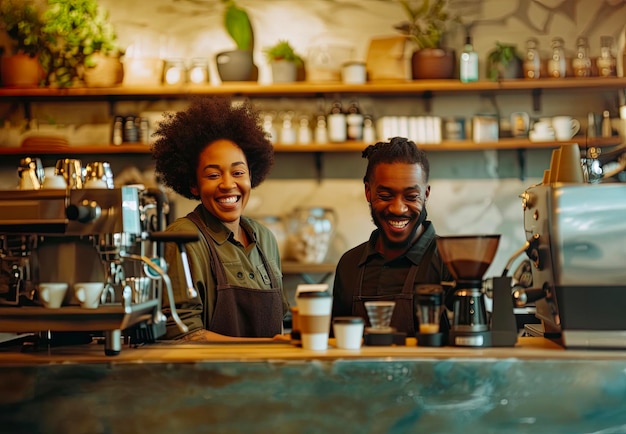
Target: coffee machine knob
86 212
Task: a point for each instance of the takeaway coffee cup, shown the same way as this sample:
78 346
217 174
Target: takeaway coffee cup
88 294
314 311
348 332
52 294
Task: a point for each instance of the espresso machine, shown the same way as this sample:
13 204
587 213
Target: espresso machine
576 243
109 235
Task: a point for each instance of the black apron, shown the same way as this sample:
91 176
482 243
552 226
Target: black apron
404 315
241 311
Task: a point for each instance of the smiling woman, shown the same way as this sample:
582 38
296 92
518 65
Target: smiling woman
217 153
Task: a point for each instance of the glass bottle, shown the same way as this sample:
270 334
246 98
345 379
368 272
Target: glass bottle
337 127
557 66
321 130
287 131
304 131
606 61
532 61
468 71
354 121
581 64
268 127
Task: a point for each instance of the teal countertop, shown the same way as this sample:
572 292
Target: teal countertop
536 387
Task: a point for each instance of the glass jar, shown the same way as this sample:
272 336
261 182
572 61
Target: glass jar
198 71
310 233
606 63
557 65
581 64
174 71
532 61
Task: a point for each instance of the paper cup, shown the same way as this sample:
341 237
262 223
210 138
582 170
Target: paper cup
348 332
314 311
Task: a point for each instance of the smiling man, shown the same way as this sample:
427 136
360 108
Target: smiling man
401 251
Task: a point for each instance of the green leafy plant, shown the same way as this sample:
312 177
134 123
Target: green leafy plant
283 50
427 21
238 25
75 30
22 22
501 58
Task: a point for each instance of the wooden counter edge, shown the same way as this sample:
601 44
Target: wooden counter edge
526 348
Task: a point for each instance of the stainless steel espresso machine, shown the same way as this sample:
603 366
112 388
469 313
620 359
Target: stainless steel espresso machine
85 235
576 234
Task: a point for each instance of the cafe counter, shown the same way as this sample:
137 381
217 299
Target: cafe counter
274 386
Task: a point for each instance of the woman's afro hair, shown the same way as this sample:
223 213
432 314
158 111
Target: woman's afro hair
182 136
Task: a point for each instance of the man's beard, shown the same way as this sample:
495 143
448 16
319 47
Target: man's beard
406 242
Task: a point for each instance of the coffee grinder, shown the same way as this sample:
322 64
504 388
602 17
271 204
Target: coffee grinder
468 258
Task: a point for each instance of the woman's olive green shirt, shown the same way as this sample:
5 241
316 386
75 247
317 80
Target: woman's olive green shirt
243 266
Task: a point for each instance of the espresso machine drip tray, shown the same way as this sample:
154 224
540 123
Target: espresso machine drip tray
106 317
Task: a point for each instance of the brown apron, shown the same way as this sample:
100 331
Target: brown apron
241 311
404 316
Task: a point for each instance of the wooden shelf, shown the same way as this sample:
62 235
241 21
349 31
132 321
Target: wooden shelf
311 88
423 88
460 145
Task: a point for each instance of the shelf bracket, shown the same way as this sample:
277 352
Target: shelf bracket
27 110
318 166
428 101
536 93
521 161
111 102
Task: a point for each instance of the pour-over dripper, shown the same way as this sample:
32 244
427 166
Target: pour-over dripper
379 314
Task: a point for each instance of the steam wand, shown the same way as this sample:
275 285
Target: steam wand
159 316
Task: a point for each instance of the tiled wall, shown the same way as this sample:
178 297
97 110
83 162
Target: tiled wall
472 192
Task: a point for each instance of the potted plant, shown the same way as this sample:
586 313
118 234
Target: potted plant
284 61
504 62
238 64
22 23
80 37
427 22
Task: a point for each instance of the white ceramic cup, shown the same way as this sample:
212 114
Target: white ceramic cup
354 73
542 128
88 293
54 182
52 294
348 331
314 311
96 183
565 127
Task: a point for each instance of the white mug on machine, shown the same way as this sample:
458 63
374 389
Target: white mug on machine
565 127
88 293
52 294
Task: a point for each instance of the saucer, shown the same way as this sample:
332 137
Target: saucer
547 137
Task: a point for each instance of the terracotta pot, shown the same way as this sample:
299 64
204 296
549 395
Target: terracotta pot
108 72
20 70
235 65
431 63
